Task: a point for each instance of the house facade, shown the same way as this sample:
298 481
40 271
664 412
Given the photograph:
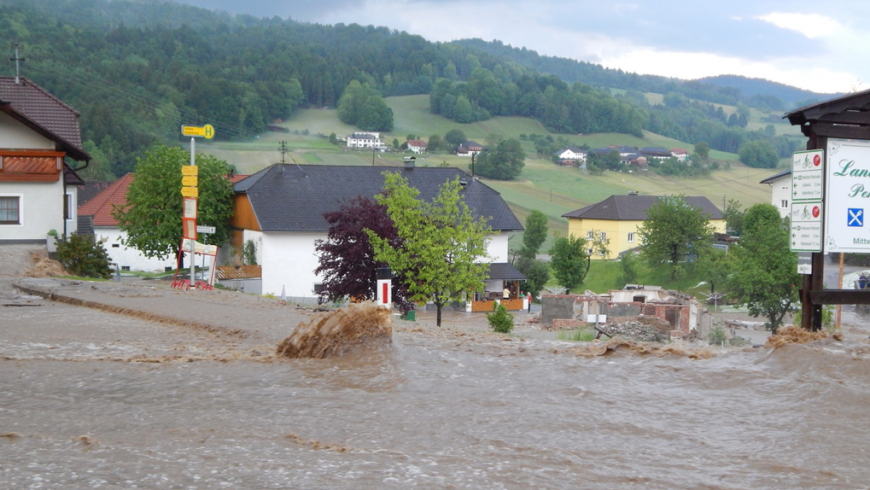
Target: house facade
618 218
38 188
364 140
280 209
417 146
469 149
572 153
780 195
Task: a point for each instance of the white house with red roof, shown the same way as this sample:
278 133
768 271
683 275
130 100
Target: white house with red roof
417 146
38 133
681 154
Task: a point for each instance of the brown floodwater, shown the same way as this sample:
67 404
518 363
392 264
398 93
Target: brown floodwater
124 403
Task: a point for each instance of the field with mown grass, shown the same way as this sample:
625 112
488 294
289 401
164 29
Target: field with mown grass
544 186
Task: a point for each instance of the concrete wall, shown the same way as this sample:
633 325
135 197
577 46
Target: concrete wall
555 307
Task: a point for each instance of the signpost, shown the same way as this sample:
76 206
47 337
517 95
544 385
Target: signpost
190 191
806 204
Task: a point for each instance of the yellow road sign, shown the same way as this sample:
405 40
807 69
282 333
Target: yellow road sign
206 131
189 192
190 170
189 180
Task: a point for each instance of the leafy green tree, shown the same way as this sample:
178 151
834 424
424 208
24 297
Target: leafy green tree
505 162
152 216
673 230
463 112
759 154
734 216
572 257
535 234
628 262
83 256
363 106
537 274
442 243
435 144
713 266
455 137
702 151
765 277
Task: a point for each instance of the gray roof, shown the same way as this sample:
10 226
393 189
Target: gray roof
770 179
287 197
503 271
633 208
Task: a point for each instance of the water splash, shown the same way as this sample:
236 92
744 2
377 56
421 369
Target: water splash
354 327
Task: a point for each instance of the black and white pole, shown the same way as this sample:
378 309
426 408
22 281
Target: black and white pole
385 291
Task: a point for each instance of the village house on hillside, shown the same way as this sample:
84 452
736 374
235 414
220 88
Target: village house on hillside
417 146
364 140
280 209
618 218
38 189
469 149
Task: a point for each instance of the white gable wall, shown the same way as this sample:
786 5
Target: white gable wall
14 136
781 195
289 261
497 247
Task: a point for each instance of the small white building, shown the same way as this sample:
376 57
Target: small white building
780 196
572 153
417 146
365 140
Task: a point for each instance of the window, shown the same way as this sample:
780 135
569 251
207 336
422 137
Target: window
603 236
125 267
10 210
590 235
68 207
631 237
784 203
589 251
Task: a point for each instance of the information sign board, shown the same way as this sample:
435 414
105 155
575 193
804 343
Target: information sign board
807 176
806 227
189 192
847 190
205 229
189 180
190 170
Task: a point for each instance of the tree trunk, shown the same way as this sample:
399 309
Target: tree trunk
438 314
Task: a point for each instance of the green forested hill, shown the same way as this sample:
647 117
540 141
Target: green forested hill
138 69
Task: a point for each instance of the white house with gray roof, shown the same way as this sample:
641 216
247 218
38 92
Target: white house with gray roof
281 210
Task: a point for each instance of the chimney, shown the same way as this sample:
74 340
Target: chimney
410 162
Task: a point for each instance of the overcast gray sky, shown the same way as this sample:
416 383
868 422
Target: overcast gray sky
819 46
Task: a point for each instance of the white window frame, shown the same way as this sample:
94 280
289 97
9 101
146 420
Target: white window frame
783 204
590 235
70 207
20 198
630 237
603 236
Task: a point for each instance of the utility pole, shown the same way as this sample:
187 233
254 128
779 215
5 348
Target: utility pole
284 152
16 59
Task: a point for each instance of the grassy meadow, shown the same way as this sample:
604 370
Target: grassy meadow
552 189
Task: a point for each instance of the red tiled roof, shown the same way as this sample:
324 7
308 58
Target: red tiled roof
419 143
100 207
48 114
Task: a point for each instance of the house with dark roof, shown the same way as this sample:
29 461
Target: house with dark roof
280 209
469 149
618 218
39 138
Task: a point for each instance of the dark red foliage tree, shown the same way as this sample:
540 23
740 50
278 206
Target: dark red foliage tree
346 257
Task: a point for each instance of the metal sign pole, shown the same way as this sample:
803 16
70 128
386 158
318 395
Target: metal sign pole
192 241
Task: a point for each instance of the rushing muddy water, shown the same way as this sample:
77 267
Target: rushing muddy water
442 416
438 409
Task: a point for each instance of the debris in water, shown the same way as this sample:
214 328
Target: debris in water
317 445
45 267
593 349
86 441
11 436
363 325
797 335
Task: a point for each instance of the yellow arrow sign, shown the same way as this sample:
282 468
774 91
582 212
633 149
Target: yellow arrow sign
189 180
206 131
190 170
189 192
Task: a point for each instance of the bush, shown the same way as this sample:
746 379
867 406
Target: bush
501 321
83 256
717 336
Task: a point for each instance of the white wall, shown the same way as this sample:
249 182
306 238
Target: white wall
40 209
289 261
131 257
497 247
14 135
781 192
